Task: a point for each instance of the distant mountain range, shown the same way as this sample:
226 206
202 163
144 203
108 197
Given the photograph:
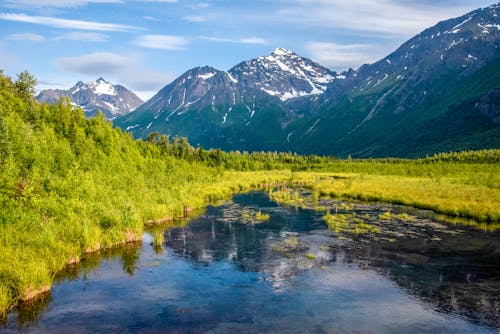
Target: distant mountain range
113 100
439 91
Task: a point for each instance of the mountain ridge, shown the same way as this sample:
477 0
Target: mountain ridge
442 81
113 100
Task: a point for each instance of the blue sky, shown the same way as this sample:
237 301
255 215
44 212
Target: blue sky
145 44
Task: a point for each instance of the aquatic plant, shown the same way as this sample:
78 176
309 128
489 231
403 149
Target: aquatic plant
348 223
261 216
310 256
158 238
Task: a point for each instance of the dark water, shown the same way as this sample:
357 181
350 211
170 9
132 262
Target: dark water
224 274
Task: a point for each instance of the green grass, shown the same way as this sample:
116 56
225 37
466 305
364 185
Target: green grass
70 186
467 190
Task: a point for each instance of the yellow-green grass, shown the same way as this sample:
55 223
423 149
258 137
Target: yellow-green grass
34 248
455 196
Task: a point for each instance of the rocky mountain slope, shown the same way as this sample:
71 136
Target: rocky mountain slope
437 92
245 108
113 100
434 93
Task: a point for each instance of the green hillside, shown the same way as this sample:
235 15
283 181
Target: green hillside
71 185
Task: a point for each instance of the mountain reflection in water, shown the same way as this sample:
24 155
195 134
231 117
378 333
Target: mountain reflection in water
224 273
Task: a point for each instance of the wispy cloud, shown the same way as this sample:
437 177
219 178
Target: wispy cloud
65 23
247 40
163 42
55 3
26 37
201 5
195 18
98 62
83 36
340 57
127 70
390 17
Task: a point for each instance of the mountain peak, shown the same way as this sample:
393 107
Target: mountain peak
102 87
96 95
282 52
284 74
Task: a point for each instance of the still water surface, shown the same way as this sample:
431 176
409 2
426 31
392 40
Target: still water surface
224 274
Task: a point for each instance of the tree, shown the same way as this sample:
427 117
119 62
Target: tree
25 86
6 83
4 139
25 89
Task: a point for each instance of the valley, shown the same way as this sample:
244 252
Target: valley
278 195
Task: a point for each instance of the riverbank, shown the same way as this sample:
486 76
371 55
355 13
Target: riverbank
33 252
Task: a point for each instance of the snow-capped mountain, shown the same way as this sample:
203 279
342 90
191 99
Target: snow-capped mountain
436 92
233 98
113 100
284 74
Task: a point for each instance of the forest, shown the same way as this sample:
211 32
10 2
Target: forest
70 186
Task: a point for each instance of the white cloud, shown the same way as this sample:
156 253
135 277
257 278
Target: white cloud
201 5
98 62
83 37
247 40
389 17
252 40
126 70
163 42
341 57
56 3
65 23
195 18
26 37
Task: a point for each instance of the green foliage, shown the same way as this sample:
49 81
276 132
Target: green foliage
71 185
25 85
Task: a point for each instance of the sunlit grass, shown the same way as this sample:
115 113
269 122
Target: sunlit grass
453 196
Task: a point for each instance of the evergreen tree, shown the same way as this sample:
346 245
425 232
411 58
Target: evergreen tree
4 139
25 86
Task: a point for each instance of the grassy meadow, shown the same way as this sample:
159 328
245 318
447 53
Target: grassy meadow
468 190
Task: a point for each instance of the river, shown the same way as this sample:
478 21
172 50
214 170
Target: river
227 272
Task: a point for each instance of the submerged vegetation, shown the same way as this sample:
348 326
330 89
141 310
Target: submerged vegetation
70 186
254 217
348 223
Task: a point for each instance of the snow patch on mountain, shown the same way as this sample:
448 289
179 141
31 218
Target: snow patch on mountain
285 74
102 87
113 100
207 76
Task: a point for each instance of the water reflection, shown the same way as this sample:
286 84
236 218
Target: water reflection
457 269
222 273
